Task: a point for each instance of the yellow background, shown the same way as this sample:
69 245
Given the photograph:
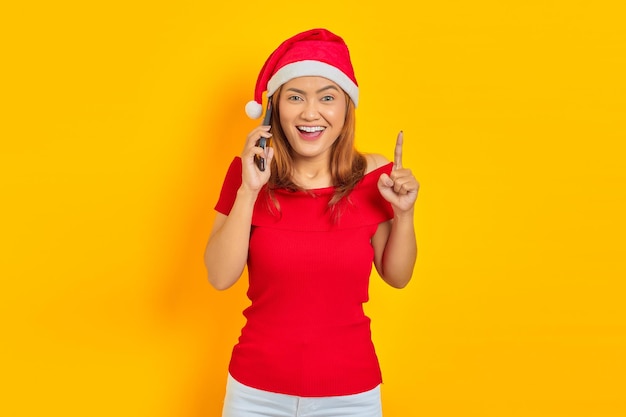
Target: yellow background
119 120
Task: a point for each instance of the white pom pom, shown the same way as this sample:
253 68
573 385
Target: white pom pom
254 110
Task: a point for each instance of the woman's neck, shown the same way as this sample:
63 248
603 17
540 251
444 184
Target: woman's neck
312 174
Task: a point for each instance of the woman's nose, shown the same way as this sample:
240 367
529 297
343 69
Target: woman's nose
310 111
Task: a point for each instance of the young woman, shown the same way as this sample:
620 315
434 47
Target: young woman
309 226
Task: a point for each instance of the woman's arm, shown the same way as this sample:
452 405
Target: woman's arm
395 246
395 250
226 252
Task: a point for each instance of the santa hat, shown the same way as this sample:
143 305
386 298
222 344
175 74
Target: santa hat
316 52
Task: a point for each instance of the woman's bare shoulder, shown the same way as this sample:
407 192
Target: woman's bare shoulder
374 161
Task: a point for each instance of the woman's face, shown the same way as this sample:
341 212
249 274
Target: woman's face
312 115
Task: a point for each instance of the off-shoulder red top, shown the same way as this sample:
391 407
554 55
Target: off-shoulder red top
306 333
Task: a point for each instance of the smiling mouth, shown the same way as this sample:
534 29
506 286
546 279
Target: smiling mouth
310 132
311 129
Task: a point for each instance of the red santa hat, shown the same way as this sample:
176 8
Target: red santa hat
316 52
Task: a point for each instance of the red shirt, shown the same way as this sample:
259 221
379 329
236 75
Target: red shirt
306 333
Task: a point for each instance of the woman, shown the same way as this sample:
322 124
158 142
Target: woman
309 225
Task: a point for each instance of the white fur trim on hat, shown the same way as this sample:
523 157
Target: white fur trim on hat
253 109
313 68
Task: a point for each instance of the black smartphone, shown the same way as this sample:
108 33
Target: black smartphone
263 142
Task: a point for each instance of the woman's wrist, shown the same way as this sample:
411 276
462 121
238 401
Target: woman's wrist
247 195
405 215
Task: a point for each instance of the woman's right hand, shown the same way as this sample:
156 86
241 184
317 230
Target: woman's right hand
252 177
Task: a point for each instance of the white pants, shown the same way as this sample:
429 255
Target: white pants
244 401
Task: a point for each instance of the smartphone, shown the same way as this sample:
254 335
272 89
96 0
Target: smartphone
264 142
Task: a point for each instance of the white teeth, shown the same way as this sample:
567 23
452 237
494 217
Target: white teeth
311 129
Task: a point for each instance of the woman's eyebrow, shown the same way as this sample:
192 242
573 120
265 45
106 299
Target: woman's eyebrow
328 87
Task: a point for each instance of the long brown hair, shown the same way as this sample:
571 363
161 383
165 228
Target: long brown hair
347 165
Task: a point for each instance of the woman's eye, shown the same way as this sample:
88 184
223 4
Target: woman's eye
295 98
328 98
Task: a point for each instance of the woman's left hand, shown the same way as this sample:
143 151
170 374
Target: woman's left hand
401 187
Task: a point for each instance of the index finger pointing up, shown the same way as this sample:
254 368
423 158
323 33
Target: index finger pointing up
397 155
